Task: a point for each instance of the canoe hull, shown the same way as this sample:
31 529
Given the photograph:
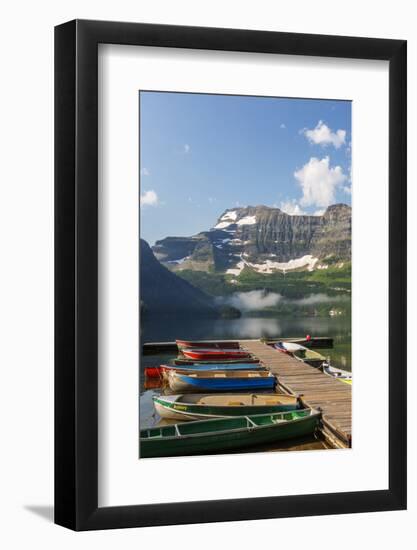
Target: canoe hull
153 372
213 367
301 353
189 411
181 382
227 439
338 374
316 363
219 355
181 344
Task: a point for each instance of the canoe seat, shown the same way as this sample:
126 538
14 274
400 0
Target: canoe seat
235 403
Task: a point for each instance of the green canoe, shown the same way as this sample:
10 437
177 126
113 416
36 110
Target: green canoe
200 406
301 353
226 434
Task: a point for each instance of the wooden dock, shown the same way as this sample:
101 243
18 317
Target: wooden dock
317 390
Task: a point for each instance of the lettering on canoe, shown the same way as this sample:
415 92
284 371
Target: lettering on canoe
179 407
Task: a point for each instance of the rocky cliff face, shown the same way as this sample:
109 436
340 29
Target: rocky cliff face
263 239
162 292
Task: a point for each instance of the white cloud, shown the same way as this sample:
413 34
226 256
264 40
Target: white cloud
347 189
254 299
322 135
318 182
317 299
282 125
145 172
187 148
149 198
291 207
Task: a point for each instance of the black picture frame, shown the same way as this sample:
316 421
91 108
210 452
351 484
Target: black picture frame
76 272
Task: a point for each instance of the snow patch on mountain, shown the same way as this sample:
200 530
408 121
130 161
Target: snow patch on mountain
230 219
237 270
222 225
247 220
270 266
180 261
227 219
232 215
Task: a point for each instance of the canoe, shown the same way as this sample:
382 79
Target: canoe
287 347
311 342
204 353
184 361
221 380
190 371
153 372
158 371
342 375
226 434
301 353
200 406
206 345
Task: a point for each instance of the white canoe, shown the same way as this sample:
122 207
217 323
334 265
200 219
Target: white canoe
342 375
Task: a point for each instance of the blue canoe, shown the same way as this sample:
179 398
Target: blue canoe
221 380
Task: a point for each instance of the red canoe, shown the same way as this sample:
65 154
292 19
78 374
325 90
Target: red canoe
219 354
206 345
153 372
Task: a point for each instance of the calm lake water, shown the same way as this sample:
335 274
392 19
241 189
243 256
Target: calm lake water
339 328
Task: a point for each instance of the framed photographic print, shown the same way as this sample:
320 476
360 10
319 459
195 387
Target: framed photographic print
230 275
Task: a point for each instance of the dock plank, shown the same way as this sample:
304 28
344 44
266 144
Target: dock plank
332 396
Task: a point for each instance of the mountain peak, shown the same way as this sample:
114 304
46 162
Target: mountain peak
264 239
244 215
248 215
338 211
338 206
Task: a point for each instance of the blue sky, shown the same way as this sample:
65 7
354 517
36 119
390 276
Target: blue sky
201 154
